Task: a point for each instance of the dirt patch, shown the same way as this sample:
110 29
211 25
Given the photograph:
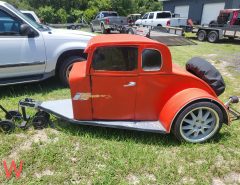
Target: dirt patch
133 179
40 136
46 172
231 178
187 180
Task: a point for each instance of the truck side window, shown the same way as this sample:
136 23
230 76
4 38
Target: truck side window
151 60
8 25
163 15
151 15
115 59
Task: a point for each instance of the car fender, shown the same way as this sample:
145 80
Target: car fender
183 98
54 53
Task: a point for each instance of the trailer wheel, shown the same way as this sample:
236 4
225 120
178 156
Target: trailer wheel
13 115
202 34
198 123
7 126
213 37
41 120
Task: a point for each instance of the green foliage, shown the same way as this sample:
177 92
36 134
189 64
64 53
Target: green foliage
62 11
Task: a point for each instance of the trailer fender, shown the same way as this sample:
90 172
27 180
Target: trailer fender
182 99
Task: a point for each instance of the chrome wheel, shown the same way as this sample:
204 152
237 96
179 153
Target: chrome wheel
199 124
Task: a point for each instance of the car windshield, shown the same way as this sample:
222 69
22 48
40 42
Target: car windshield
110 14
30 21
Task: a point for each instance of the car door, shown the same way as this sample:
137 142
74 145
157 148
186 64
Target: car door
114 83
20 55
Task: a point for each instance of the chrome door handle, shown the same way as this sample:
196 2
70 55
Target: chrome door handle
130 84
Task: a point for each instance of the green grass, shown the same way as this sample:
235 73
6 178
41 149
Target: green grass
72 154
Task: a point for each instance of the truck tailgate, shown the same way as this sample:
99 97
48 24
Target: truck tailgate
119 20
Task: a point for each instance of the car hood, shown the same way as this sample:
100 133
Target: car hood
63 36
72 32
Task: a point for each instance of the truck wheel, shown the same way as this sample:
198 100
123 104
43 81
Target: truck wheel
103 30
213 37
198 122
65 68
130 31
91 27
202 34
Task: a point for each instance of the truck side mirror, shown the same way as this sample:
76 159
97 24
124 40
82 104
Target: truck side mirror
26 30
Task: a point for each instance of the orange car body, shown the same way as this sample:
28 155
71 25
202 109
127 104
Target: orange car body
161 95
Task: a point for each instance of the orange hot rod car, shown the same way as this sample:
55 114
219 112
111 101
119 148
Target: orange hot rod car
129 82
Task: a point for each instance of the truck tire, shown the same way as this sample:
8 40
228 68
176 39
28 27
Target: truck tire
198 122
91 28
130 31
103 30
65 68
213 37
202 35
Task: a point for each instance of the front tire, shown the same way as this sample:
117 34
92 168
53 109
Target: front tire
198 123
66 67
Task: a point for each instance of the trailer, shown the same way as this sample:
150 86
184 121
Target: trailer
214 34
227 25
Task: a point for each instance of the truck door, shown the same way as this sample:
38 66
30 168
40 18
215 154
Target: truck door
96 23
145 19
114 83
20 55
150 19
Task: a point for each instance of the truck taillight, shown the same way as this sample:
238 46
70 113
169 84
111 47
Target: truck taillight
168 23
107 21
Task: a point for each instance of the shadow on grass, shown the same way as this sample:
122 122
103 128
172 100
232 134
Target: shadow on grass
116 134
128 135
44 87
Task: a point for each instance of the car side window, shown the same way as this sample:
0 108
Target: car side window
8 25
151 60
115 59
145 16
151 15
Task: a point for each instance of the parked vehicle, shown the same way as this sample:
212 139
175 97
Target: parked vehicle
161 18
107 21
31 15
227 25
129 82
132 18
32 52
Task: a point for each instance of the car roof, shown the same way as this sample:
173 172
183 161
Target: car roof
118 39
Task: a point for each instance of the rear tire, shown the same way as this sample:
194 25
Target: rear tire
7 126
213 37
91 27
198 123
202 35
103 30
65 68
130 31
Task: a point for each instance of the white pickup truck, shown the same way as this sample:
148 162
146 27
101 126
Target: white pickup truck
31 52
161 18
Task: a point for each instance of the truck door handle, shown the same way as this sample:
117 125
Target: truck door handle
130 84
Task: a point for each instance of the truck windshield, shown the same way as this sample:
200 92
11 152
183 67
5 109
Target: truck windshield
33 23
110 14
